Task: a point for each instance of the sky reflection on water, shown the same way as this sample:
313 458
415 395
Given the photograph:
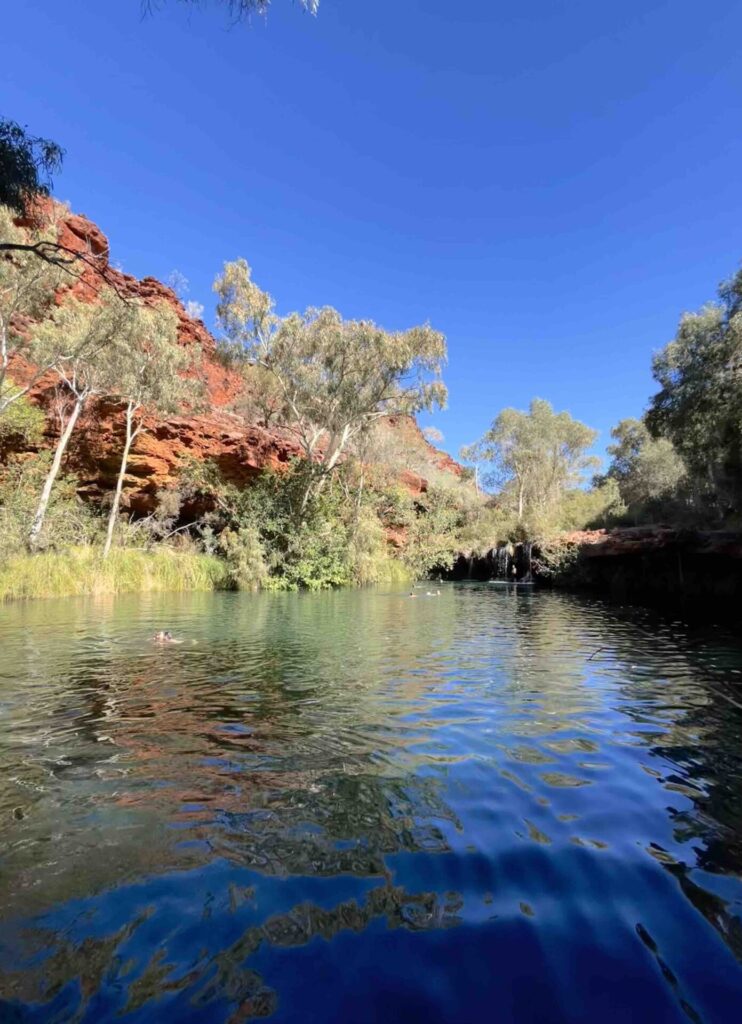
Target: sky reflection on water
492 805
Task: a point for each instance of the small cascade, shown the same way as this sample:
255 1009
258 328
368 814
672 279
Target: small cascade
503 558
527 549
505 563
512 562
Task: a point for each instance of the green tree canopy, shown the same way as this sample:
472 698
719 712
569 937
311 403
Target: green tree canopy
149 372
27 286
533 458
699 405
335 377
105 347
646 469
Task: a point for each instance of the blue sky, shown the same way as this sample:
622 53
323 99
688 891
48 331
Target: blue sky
550 185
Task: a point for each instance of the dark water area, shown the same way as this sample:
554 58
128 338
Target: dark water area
492 805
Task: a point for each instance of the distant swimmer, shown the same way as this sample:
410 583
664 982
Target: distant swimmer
412 594
165 637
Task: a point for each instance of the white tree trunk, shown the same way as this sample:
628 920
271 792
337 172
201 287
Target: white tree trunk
3 351
335 448
51 476
113 516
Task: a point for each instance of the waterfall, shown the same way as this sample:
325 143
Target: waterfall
527 553
502 561
512 562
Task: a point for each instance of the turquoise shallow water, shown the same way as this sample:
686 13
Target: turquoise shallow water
493 805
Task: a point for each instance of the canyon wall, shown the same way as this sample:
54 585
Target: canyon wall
216 432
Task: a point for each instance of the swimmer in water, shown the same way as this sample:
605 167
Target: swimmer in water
165 637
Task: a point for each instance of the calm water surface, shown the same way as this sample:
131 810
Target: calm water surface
494 805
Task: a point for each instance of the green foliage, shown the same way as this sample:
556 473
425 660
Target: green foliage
243 552
83 341
649 473
149 372
27 287
306 548
369 557
27 163
22 424
432 540
699 405
337 540
484 526
558 561
68 521
266 534
144 363
534 458
80 570
261 400
596 508
333 378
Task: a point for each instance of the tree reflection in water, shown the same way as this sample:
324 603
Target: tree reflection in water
313 767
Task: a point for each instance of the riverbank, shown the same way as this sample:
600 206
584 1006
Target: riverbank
82 571
697 572
694 572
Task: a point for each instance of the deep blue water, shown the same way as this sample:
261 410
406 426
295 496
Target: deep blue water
492 805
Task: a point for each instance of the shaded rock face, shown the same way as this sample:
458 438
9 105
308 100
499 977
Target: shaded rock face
693 571
240 449
698 572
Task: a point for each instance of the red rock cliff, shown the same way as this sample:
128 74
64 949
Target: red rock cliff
240 449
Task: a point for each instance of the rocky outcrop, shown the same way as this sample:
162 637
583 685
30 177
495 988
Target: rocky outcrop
691 570
216 433
240 451
415 443
643 540
688 570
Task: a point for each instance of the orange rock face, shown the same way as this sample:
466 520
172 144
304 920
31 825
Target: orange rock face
240 449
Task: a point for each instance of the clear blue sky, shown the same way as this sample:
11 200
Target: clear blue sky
549 183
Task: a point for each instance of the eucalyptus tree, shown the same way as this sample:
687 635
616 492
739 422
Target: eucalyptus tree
27 287
433 435
27 163
533 458
149 372
74 340
699 404
334 378
646 469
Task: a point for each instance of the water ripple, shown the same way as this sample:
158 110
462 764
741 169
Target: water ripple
519 806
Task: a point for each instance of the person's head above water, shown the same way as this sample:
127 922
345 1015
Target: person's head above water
163 634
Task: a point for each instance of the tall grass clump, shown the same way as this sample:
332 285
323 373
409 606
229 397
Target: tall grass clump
82 570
